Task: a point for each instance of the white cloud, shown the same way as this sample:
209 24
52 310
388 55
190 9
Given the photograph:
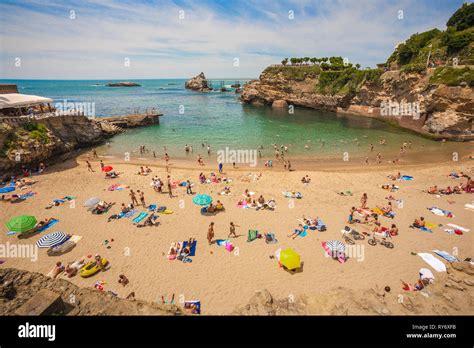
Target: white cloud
160 45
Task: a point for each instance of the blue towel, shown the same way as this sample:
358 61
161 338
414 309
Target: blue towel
193 248
48 225
140 217
152 207
424 229
222 242
445 256
406 177
130 213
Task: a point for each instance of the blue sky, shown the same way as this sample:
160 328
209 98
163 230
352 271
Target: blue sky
112 39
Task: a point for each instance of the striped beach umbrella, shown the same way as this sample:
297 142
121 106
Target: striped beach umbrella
91 202
202 199
51 240
21 223
290 259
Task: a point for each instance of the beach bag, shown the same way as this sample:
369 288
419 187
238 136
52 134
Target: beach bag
252 235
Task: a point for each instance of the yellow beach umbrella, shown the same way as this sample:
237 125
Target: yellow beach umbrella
290 259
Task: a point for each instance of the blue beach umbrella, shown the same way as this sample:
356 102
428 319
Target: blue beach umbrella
202 199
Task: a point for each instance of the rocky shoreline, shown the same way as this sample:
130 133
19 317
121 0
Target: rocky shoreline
445 112
29 142
198 83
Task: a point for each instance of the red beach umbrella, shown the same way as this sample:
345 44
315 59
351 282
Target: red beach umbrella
107 169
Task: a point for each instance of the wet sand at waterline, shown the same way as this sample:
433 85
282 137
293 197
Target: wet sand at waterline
222 280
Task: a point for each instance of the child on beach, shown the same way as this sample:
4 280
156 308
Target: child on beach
232 230
210 233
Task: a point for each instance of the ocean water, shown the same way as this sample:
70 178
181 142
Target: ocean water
219 119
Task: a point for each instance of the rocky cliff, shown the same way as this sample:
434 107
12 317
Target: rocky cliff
437 110
30 142
198 83
17 287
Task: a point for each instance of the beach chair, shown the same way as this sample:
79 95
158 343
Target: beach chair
253 234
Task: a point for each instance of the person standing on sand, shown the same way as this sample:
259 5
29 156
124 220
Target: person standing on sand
209 150
232 230
220 167
169 187
363 201
188 187
210 233
154 155
167 158
94 154
133 197
89 167
289 166
102 165
371 147
141 194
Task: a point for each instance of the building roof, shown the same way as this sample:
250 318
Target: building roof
13 100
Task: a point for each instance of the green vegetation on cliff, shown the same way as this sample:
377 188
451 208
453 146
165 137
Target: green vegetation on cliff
346 82
437 47
452 76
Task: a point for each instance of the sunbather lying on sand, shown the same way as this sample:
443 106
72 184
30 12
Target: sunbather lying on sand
433 190
72 268
57 270
297 232
394 177
426 278
151 220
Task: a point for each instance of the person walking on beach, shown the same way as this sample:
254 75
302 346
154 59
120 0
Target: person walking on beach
289 166
89 167
363 201
232 230
208 149
133 197
154 154
167 158
220 167
188 187
141 194
210 233
169 187
102 165
94 154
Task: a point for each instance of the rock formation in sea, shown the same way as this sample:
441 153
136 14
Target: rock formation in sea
198 83
123 84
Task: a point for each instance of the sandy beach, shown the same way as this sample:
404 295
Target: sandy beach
223 280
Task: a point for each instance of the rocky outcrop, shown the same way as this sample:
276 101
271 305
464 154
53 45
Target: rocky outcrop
441 111
23 143
198 83
133 121
123 84
17 287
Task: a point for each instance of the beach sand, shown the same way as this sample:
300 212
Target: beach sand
223 280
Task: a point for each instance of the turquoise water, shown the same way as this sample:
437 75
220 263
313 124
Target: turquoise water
218 118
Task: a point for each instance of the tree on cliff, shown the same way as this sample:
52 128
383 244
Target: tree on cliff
284 61
463 18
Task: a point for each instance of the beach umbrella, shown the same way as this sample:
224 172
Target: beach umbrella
202 199
107 169
290 259
335 247
9 188
51 240
21 223
91 202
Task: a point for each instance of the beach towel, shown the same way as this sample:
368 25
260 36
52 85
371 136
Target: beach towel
364 212
440 212
161 209
456 227
340 256
253 234
152 207
26 195
406 177
469 207
129 213
75 238
113 187
424 229
302 234
140 217
48 225
193 247
445 255
437 265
